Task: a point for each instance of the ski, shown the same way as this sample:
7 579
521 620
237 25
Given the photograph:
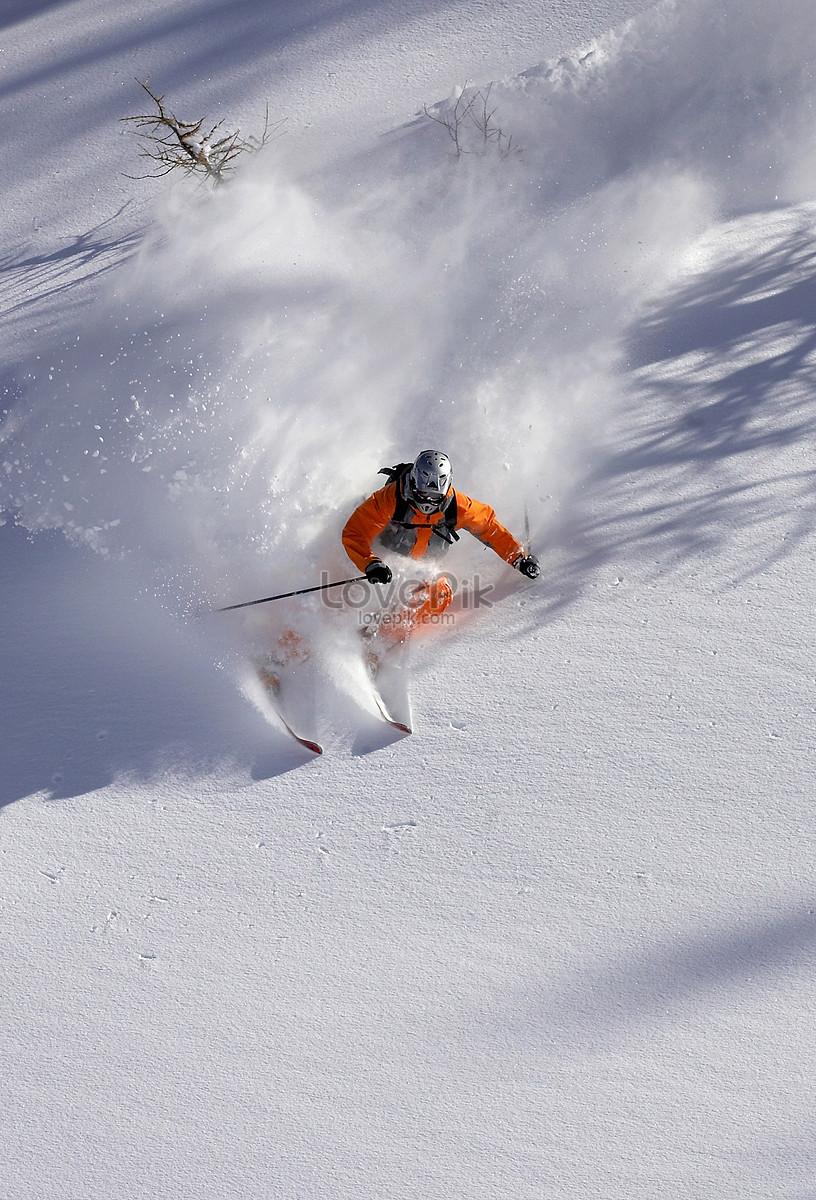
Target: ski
285 692
388 675
315 747
387 717
272 686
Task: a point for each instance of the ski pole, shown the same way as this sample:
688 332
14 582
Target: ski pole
321 587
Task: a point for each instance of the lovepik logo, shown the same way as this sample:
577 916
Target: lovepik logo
402 594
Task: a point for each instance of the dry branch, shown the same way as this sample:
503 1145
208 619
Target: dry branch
472 112
171 143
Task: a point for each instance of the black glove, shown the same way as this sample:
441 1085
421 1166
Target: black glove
527 564
378 572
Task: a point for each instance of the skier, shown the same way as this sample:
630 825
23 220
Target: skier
417 515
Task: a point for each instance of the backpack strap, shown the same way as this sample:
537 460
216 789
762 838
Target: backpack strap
400 476
446 529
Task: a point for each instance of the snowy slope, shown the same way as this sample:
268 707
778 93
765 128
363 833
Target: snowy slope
561 942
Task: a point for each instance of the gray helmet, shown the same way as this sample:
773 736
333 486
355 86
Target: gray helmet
429 481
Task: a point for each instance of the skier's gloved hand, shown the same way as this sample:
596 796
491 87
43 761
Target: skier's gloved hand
378 572
527 564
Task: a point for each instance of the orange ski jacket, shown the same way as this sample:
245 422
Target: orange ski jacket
388 517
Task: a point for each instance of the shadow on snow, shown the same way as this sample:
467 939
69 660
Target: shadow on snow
98 684
715 444
651 986
34 287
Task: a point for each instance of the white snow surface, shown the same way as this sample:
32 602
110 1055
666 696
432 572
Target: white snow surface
561 942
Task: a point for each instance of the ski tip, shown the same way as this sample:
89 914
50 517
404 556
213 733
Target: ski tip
307 743
315 747
402 726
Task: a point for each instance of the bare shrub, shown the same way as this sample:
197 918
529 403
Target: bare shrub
190 146
470 122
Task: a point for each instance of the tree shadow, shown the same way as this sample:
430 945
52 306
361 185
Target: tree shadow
716 438
13 11
97 684
598 1002
224 27
35 286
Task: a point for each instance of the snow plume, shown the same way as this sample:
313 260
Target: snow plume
725 90
275 343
